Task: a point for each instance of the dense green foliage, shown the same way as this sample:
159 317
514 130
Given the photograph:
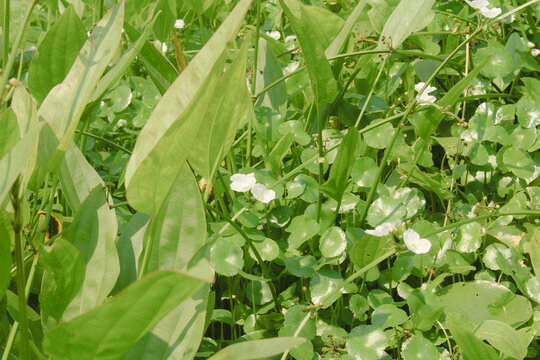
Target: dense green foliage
285 179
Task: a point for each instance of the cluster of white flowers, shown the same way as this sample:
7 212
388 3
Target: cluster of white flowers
482 5
247 182
424 97
412 239
534 51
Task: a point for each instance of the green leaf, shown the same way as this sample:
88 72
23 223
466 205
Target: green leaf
56 54
418 347
65 103
333 242
469 344
226 256
14 161
165 19
280 150
482 300
320 74
269 71
119 68
200 6
159 68
532 247
386 209
77 177
519 162
504 338
172 127
93 232
62 279
176 234
301 231
339 41
130 247
10 134
257 349
366 342
325 281
108 331
366 247
229 106
301 266
379 137
409 16
341 169
388 315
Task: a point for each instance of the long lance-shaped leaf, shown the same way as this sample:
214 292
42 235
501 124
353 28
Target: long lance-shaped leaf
176 235
407 17
230 104
65 103
335 47
14 161
320 74
107 332
166 140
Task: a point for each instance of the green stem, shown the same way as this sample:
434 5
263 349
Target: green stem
100 9
5 33
381 68
256 54
321 158
19 249
203 33
6 69
264 268
109 142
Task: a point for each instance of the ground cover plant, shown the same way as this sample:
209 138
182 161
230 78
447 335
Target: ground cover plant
283 179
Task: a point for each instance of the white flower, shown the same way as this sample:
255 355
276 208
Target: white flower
535 52
242 182
290 67
383 229
179 24
290 42
424 97
262 193
490 13
482 5
276 35
530 45
121 123
415 243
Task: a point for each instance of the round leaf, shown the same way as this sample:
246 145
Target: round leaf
226 257
333 242
366 342
419 348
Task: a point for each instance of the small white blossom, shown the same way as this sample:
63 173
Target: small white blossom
290 67
179 24
530 45
121 123
276 35
490 13
482 5
383 229
424 97
242 182
262 193
290 42
415 243
535 52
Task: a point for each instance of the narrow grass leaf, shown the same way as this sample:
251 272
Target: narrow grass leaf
107 332
65 103
172 127
56 54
